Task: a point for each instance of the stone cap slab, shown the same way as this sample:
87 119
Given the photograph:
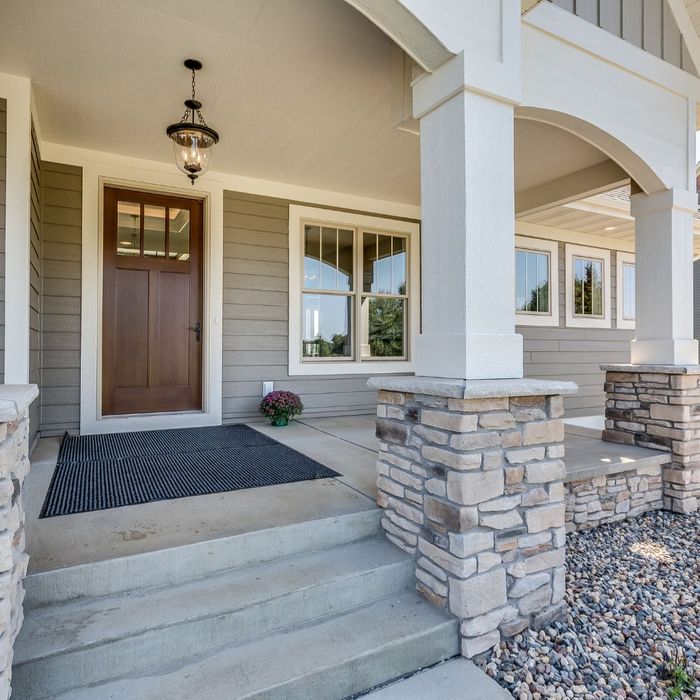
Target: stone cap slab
653 369
15 400
472 388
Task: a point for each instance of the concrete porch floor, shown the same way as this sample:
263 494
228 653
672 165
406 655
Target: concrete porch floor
346 444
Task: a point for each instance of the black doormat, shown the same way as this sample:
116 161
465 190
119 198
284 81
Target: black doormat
96 472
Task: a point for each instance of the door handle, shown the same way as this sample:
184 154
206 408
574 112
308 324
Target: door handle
197 328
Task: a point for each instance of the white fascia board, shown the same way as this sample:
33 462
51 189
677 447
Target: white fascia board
549 18
687 30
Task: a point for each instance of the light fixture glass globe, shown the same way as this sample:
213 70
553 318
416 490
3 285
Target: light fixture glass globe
192 148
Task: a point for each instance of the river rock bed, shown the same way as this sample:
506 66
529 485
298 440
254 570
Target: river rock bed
633 598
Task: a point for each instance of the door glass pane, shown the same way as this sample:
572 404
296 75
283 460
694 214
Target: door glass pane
327 324
312 257
128 228
154 231
628 292
329 258
179 235
383 327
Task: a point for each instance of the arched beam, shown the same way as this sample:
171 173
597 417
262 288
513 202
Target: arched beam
404 28
617 151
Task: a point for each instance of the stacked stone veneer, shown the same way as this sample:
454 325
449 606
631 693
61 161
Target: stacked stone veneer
607 498
473 488
14 465
659 406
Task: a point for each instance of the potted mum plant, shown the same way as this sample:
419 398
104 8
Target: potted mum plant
280 406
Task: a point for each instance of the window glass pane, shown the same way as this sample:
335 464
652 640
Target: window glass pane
327 323
369 256
531 281
588 287
128 228
383 331
154 231
329 258
628 292
384 263
312 257
346 260
179 234
398 265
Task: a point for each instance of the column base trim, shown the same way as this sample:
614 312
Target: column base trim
665 352
473 388
470 356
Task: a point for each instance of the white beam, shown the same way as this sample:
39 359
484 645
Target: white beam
579 185
17 93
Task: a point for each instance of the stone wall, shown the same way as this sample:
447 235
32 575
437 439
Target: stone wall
659 406
14 466
607 498
470 477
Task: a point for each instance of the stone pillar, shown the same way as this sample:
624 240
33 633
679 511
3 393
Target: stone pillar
466 113
658 406
470 477
14 465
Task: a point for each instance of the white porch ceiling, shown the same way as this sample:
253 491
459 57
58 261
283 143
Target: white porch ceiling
300 90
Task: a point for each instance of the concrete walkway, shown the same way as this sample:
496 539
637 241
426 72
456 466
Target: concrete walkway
457 679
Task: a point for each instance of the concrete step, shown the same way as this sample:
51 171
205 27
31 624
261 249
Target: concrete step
91 640
335 658
177 564
456 678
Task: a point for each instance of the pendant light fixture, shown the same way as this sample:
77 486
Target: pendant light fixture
192 139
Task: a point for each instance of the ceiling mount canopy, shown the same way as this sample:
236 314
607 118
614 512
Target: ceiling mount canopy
192 139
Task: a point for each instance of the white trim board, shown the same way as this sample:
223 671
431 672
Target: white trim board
73 155
573 321
17 93
621 322
95 175
296 367
525 228
552 248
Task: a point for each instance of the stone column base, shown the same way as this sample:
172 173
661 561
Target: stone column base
470 477
658 406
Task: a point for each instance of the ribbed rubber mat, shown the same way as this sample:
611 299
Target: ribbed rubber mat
95 472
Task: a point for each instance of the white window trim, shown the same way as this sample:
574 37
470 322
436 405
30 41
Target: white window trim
582 321
297 214
622 258
552 248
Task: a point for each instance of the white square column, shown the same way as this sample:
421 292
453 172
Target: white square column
466 112
664 278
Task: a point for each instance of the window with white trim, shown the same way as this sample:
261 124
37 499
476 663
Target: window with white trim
536 282
626 293
588 287
352 284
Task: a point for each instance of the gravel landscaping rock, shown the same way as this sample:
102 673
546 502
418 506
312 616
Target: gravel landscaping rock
633 598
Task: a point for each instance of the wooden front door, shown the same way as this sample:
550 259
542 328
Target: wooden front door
152 304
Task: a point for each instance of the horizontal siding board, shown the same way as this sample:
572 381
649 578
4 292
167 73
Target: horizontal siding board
61 297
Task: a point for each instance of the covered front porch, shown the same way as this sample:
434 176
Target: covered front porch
346 444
